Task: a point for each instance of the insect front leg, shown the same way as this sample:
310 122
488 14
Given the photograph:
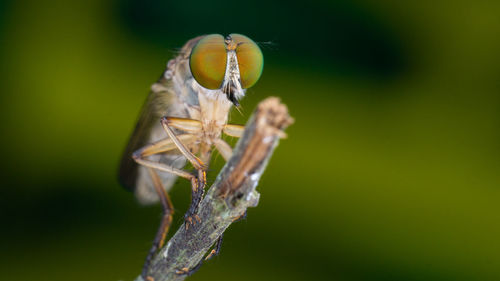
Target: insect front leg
197 185
167 122
197 191
233 130
224 148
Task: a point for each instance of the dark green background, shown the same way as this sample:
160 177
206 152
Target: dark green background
391 171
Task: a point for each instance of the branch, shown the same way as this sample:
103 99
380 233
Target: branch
228 198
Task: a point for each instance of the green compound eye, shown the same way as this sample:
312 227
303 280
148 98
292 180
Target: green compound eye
208 61
250 60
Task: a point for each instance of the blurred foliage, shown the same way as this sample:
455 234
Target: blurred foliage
391 171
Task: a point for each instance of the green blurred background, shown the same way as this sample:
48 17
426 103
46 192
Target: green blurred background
391 171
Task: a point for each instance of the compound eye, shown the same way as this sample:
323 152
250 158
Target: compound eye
250 60
208 61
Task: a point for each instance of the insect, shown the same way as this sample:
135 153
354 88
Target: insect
183 120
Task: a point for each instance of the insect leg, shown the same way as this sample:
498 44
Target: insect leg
214 252
186 271
233 130
224 148
197 191
162 167
164 145
218 244
185 124
198 185
195 161
159 147
240 217
166 221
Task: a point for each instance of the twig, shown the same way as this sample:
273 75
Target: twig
228 198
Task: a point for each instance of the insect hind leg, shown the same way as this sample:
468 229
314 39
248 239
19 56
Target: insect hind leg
161 234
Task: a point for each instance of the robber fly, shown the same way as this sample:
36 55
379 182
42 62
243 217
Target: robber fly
183 119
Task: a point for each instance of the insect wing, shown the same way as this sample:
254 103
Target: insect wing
161 101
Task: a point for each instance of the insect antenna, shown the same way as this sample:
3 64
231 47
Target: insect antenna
268 45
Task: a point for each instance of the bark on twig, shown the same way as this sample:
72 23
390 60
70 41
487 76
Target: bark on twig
228 198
